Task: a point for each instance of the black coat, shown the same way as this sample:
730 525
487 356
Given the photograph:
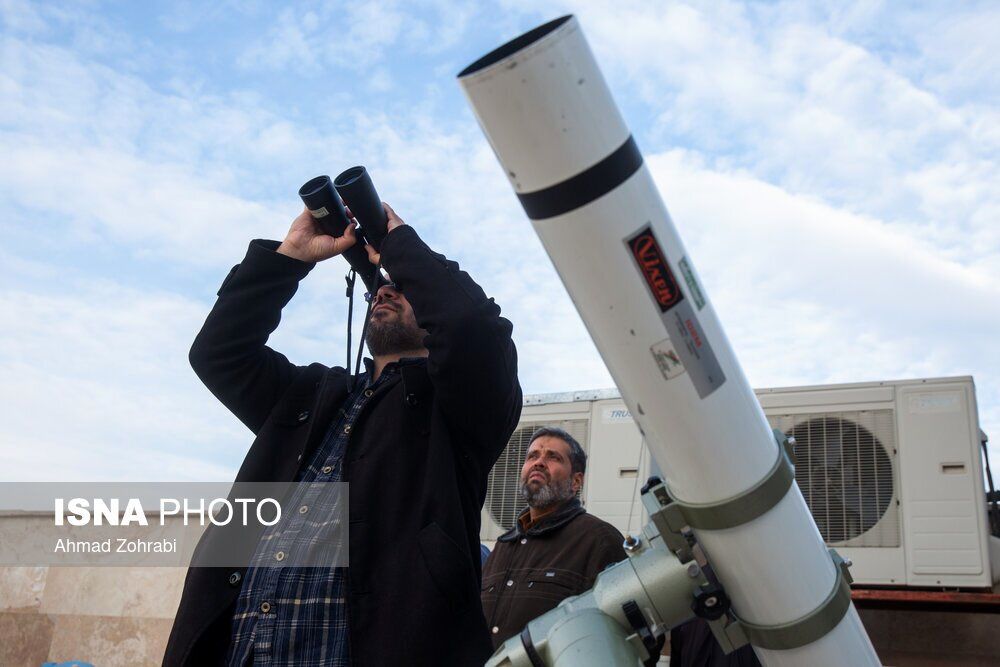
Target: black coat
416 463
693 645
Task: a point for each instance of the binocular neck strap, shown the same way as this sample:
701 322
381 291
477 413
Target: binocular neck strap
350 278
364 328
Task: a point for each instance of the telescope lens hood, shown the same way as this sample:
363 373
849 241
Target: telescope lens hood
357 190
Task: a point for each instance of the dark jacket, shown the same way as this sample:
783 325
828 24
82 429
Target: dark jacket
417 461
531 572
693 645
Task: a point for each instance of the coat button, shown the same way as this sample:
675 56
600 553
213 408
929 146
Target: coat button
495 629
347 429
304 415
524 540
368 393
265 607
510 582
234 578
327 470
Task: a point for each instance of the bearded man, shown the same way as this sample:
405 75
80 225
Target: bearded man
415 436
555 548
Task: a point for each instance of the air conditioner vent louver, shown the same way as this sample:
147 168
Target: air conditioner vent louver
844 466
502 499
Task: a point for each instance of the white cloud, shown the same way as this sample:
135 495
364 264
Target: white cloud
151 174
22 16
154 210
836 196
838 188
947 48
811 294
782 92
343 41
109 159
95 385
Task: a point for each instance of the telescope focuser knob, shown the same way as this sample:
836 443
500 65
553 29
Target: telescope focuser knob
650 483
710 602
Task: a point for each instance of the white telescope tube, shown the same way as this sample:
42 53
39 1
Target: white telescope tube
549 116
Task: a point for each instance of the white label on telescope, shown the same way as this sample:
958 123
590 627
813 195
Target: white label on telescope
693 348
685 331
667 359
321 212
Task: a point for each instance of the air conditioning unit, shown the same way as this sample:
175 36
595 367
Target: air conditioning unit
891 472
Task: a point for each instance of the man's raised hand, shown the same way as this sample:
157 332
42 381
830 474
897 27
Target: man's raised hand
393 222
307 242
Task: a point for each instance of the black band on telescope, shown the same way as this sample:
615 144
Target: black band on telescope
586 186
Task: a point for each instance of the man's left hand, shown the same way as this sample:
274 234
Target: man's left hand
394 221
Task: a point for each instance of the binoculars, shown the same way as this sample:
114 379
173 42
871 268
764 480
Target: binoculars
326 201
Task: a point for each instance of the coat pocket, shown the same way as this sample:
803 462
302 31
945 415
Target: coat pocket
449 567
492 582
553 583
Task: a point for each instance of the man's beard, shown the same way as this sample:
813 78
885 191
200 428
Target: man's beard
548 494
393 337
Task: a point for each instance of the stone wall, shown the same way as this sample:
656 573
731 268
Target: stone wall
107 616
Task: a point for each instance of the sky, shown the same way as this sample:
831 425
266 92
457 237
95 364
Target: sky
833 172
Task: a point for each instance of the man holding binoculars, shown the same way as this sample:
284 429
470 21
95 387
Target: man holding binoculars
415 436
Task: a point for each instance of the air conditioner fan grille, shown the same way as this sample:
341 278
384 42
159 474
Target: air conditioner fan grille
844 468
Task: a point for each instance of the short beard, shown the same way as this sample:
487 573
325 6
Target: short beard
547 495
393 337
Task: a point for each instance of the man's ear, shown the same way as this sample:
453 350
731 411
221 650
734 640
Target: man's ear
577 481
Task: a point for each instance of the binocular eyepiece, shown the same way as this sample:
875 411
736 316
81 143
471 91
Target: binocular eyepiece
326 201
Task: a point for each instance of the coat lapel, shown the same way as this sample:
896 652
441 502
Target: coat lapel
333 390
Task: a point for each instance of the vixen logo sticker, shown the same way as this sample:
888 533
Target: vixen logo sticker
652 264
688 350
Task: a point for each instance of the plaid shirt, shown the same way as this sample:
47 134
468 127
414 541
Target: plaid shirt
298 615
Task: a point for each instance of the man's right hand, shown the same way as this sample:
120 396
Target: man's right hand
307 242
